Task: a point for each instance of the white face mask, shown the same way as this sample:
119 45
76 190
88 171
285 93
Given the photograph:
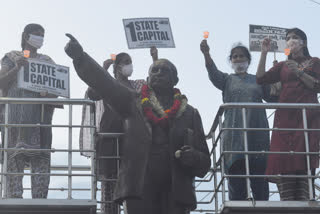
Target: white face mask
126 70
294 45
240 67
35 41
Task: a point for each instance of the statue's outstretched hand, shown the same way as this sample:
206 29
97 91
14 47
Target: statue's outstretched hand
73 48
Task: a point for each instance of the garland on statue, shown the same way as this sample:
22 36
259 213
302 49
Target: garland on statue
153 110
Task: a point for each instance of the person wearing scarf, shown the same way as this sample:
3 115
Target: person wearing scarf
22 137
300 83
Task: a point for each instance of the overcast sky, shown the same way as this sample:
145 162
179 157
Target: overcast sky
97 24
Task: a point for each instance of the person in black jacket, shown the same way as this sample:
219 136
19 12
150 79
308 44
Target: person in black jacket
164 145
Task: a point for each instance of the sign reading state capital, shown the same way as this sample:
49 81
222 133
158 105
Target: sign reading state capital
39 76
148 32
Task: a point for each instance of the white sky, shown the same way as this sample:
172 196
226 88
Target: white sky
97 24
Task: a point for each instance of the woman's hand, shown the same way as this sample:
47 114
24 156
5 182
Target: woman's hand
293 66
107 63
154 53
204 47
21 62
265 47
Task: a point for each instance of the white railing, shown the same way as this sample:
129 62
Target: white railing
218 192
70 167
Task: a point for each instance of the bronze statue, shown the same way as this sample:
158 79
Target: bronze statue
164 146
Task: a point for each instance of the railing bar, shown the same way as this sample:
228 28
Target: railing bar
244 122
222 163
267 152
93 158
47 150
44 125
52 174
70 153
54 101
271 176
5 154
269 129
210 179
305 126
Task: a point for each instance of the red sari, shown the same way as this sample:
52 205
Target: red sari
293 91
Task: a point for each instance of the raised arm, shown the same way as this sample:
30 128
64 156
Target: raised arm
263 58
217 77
117 95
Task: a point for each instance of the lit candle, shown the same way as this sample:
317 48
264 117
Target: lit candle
287 51
26 53
206 34
113 57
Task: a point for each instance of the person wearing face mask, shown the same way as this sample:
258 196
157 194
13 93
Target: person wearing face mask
109 121
299 76
241 87
22 137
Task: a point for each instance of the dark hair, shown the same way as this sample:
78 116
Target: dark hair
118 60
171 67
303 36
29 29
243 49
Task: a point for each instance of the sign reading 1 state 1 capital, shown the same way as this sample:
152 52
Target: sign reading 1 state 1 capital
39 76
148 32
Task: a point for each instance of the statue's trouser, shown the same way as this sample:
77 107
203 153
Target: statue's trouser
157 196
39 183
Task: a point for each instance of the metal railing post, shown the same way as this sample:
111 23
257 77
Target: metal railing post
93 156
70 154
222 164
245 137
5 153
306 138
118 168
214 162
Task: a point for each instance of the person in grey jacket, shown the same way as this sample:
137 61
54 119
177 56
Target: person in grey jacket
240 87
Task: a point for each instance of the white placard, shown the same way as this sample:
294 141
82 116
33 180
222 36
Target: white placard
277 35
41 76
148 32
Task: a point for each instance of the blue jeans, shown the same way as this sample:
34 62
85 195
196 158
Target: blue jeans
238 187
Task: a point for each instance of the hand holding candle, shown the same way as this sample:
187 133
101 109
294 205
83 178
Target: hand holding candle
113 57
26 53
287 51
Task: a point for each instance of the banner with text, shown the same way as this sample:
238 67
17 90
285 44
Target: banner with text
148 32
41 76
277 35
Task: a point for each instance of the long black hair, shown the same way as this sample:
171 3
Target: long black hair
303 36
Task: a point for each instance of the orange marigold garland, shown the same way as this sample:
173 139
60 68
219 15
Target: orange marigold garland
171 113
